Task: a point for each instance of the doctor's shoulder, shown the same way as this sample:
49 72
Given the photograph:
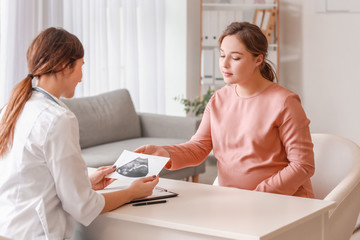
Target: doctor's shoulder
52 113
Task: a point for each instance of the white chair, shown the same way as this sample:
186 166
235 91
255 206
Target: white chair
337 178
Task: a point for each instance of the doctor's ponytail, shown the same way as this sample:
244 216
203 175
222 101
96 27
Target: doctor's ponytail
51 52
21 93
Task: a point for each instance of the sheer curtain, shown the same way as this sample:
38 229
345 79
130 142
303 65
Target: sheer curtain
123 41
20 22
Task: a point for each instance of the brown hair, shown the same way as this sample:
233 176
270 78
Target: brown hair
255 41
53 50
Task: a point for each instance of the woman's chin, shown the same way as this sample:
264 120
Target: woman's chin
69 95
228 81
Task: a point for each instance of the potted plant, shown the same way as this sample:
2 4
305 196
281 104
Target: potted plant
197 106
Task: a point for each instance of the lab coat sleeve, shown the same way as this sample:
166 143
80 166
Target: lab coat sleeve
63 155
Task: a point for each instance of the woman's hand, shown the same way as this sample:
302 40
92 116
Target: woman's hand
140 188
97 178
143 187
153 150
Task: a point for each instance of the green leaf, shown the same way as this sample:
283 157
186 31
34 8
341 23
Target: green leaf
198 105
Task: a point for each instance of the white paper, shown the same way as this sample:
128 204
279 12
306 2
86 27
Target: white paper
259 18
266 19
131 166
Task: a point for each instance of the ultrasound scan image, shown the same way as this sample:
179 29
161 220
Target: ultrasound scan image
138 167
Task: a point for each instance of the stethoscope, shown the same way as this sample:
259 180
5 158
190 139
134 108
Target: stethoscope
45 94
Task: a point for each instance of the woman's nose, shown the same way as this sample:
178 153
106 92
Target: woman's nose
224 62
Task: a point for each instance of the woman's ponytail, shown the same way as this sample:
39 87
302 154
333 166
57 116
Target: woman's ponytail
49 52
19 96
267 71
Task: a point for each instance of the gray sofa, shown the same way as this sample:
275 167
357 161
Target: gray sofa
109 124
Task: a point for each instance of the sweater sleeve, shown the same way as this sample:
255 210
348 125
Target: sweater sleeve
295 135
195 151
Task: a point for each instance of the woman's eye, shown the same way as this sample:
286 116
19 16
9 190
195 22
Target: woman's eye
236 59
222 56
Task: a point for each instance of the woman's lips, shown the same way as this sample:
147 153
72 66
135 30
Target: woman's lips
227 74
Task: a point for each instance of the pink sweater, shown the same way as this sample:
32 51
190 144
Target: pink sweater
262 143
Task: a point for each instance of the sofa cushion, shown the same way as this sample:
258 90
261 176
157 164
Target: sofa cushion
105 118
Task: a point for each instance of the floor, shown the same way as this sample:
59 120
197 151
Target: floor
211 172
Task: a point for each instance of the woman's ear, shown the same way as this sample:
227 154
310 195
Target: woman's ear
67 68
259 60
64 67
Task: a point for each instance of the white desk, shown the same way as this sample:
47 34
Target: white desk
209 212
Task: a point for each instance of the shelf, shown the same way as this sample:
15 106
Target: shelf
231 6
271 45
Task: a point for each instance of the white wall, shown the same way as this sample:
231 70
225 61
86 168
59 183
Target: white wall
182 53
320 61
175 54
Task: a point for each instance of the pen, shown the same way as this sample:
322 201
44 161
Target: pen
149 203
161 189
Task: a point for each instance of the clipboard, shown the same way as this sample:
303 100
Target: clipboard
158 193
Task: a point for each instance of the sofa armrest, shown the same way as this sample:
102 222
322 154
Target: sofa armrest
159 125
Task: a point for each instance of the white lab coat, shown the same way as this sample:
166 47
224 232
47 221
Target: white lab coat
44 183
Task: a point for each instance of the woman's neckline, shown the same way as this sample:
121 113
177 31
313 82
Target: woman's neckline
255 94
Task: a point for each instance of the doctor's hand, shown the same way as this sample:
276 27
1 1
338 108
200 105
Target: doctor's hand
143 187
97 178
153 150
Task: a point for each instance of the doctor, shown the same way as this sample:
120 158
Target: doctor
44 183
